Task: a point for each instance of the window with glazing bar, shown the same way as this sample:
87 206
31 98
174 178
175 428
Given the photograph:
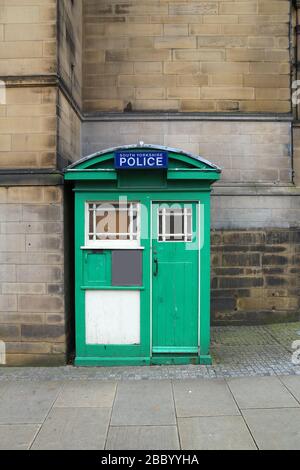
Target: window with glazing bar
114 222
175 225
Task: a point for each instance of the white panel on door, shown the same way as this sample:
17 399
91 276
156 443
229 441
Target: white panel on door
112 317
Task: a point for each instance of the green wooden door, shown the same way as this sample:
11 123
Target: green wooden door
175 303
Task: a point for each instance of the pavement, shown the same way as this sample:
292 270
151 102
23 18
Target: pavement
248 399
238 413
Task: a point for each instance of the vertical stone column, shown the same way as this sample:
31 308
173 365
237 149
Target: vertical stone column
296 107
39 135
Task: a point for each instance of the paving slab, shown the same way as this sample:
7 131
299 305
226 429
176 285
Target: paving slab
203 398
261 392
292 382
215 433
142 438
144 403
3 387
83 393
17 436
26 402
276 429
74 429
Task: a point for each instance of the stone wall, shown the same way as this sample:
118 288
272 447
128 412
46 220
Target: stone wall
255 275
33 111
69 132
69 101
250 208
187 56
32 316
27 115
28 128
27 37
247 152
296 154
39 134
70 46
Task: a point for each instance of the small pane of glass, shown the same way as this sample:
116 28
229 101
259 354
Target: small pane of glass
175 225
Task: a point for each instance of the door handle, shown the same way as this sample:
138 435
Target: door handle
156 266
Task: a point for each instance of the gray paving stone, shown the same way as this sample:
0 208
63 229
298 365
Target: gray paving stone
74 429
203 398
276 429
26 402
144 403
17 436
239 336
3 387
292 383
215 433
261 392
82 393
284 334
143 438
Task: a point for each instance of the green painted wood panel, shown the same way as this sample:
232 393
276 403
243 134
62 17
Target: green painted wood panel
97 268
86 353
175 290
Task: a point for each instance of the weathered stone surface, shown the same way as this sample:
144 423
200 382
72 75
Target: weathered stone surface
39 273
257 286
32 319
219 38
195 398
28 303
262 392
82 394
142 438
28 128
43 332
266 427
36 360
41 213
74 429
27 403
247 152
155 408
17 436
215 432
9 332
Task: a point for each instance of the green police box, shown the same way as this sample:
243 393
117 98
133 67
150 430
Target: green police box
142 256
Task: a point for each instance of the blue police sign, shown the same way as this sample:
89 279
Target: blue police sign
144 159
